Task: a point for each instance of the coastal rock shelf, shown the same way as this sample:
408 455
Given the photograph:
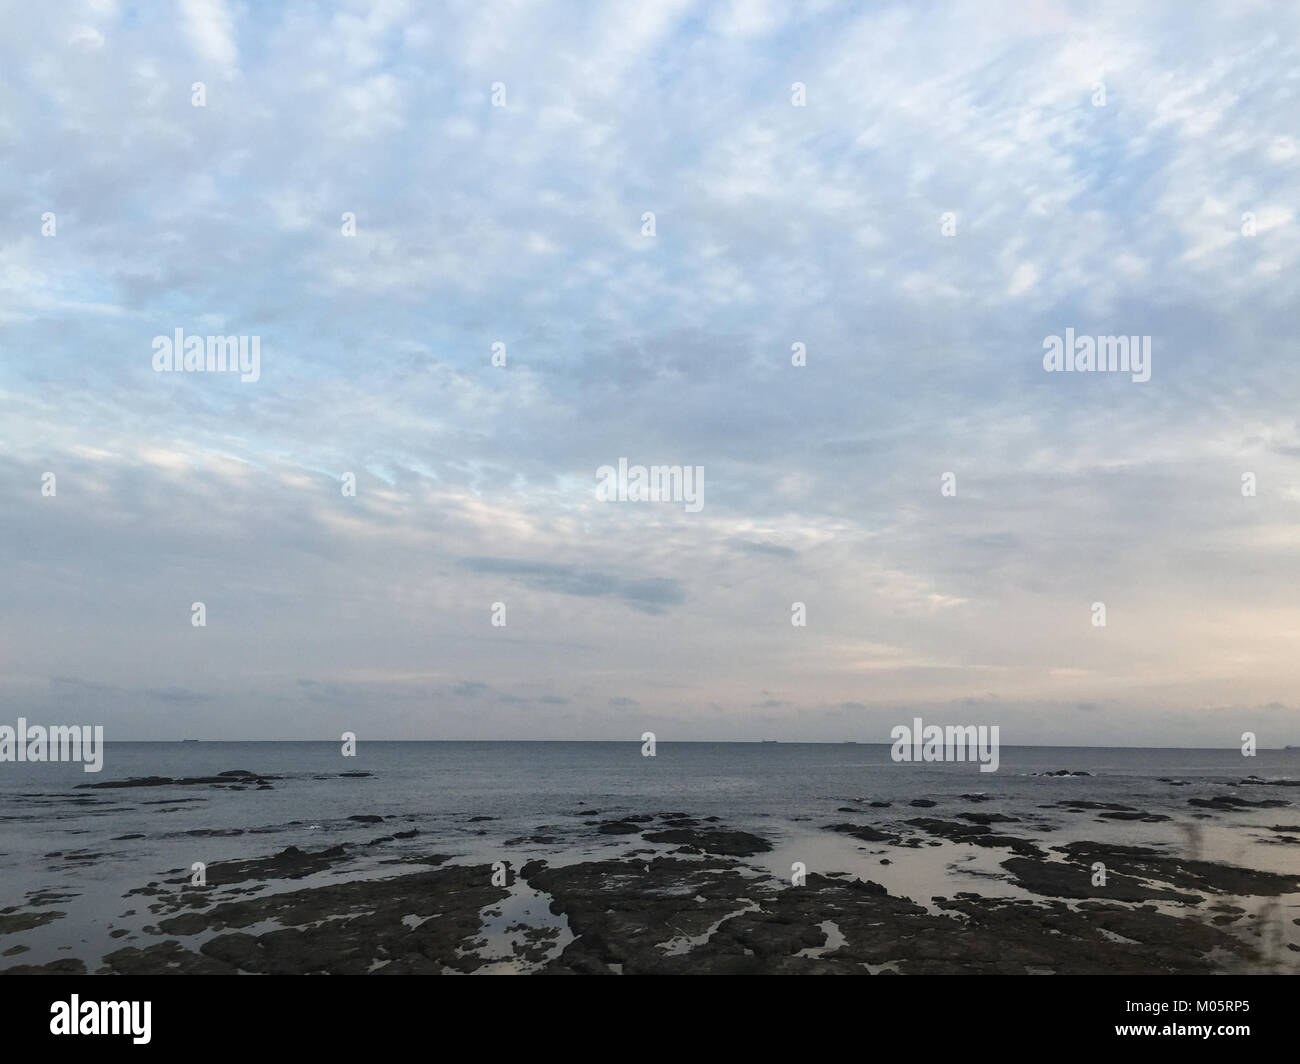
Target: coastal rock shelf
689 894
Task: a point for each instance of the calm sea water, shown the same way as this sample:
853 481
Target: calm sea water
58 840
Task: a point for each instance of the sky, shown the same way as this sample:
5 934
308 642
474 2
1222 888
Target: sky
919 194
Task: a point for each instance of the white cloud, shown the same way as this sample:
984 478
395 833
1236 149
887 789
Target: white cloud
211 30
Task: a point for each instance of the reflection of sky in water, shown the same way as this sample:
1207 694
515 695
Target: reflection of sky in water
786 793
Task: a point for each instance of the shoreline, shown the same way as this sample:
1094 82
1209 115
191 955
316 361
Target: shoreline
971 883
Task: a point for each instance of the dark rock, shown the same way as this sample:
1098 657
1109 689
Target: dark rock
1229 802
17 921
1145 863
66 966
1059 879
989 818
975 834
289 863
863 832
1117 814
339 928
713 840
1255 781
619 827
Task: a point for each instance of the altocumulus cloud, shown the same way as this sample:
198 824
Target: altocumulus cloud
776 225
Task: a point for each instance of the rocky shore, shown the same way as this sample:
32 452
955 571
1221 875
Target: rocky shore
689 894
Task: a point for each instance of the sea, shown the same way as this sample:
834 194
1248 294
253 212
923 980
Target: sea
80 850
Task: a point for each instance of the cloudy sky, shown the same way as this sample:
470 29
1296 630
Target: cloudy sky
774 224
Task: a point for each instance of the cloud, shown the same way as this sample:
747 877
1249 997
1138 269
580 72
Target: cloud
650 595
775 225
211 30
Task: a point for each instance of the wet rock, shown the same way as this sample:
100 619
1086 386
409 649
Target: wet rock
630 913
1255 781
289 863
1230 802
137 781
533 944
619 827
989 818
346 928
862 831
65 966
712 840
668 917
975 834
1180 872
1146 818
20 921
1060 879
232 779
162 958
47 897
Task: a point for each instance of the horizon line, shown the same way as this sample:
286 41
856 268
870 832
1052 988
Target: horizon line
687 742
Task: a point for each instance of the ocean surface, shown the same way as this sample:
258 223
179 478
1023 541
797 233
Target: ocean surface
66 847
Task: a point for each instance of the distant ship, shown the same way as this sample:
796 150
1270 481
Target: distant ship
770 740
190 740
